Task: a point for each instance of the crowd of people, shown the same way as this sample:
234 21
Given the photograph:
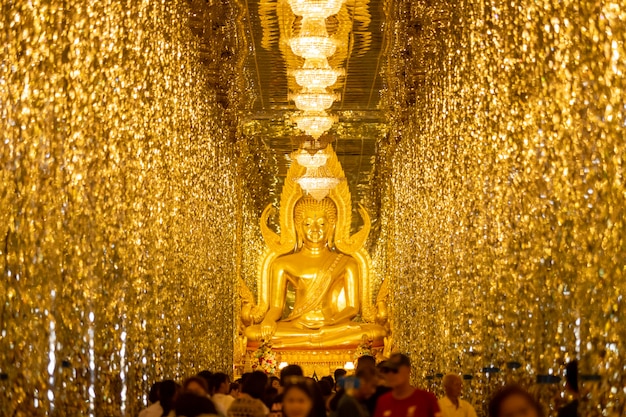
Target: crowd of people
382 390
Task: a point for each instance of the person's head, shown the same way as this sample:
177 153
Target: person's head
366 360
452 385
330 380
254 385
315 221
153 395
326 388
368 381
396 370
233 390
290 371
299 398
339 373
167 392
221 383
191 405
274 382
196 385
243 378
208 377
571 376
514 401
269 396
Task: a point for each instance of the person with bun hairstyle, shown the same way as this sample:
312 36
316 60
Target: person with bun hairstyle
514 401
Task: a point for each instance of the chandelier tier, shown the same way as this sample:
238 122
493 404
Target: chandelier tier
309 159
315 123
316 78
313 47
316 8
312 101
313 41
318 182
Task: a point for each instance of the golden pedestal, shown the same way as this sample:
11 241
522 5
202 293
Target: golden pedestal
320 362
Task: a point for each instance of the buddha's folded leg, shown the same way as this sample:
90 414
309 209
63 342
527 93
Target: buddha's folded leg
352 328
253 333
329 336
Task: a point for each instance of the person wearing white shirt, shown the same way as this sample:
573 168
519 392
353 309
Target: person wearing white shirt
154 410
221 399
451 405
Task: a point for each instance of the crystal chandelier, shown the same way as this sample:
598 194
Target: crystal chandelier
316 74
313 47
309 159
315 123
314 101
318 182
316 78
313 41
316 8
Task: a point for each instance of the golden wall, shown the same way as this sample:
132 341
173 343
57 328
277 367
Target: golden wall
128 208
117 204
505 208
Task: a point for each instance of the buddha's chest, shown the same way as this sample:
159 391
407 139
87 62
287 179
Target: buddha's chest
306 270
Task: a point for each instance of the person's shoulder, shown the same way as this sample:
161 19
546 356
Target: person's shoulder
239 402
465 403
153 410
444 400
387 396
349 405
347 401
423 393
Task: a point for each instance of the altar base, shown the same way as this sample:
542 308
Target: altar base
319 362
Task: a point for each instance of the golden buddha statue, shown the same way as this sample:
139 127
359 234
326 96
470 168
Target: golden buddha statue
314 281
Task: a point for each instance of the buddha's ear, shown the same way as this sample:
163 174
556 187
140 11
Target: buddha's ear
331 236
299 240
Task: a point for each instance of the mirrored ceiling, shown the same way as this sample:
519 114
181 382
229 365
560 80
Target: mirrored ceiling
359 26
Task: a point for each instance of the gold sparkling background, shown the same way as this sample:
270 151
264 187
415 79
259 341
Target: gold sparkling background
505 208
117 202
129 195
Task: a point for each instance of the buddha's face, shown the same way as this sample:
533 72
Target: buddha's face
315 222
315 226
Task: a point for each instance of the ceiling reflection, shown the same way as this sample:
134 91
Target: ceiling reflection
358 28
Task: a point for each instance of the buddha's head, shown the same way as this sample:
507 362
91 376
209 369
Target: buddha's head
315 222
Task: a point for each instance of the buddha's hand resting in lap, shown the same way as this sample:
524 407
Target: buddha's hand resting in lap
268 328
